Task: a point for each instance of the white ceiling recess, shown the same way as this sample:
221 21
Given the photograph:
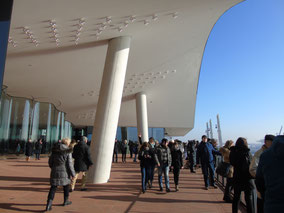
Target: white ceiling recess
57 51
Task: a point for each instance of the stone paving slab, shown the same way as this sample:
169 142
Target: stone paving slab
24 187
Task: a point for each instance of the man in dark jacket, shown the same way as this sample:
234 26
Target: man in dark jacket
163 159
191 150
115 151
269 176
82 162
205 152
38 147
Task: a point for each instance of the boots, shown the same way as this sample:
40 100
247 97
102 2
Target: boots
48 205
177 189
66 202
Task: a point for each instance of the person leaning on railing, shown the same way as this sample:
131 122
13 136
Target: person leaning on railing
254 164
225 151
240 159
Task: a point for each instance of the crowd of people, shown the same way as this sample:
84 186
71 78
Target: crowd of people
262 172
244 173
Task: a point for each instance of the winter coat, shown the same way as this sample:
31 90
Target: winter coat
38 147
29 149
254 164
115 148
177 159
123 148
269 176
191 149
82 157
205 152
240 159
226 156
159 155
61 165
146 157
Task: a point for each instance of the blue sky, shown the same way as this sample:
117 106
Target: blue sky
242 73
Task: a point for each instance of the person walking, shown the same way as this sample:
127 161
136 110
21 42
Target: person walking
38 148
29 150
225 151
115 151
205 152
123 151
163 159
177 163
152 162
82 162
240 159
145 157
191 150
62 171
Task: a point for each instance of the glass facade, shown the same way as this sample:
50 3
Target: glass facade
21 119
156 133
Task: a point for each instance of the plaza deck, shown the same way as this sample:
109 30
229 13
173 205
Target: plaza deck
24 187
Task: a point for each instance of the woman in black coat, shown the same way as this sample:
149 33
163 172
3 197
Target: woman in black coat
177 163
62 171
29 149
240 159
145 156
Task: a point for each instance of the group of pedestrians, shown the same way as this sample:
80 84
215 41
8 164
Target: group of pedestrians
67 161
262 172
33 148
123 146
151 155
246 173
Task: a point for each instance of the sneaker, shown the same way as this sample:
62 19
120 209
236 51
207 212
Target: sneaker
206 188
193 171
83 189
168 190
66 203
177 189
161 189
214 186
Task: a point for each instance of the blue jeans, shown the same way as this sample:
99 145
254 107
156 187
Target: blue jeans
144 177
135 157
205 168
164 169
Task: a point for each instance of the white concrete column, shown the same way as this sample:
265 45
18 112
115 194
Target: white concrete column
142 116
108 109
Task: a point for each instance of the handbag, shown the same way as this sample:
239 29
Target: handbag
223 169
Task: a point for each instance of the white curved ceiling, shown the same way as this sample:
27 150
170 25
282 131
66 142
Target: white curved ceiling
57 52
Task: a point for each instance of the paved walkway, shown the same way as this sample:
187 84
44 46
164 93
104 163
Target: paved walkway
24 187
